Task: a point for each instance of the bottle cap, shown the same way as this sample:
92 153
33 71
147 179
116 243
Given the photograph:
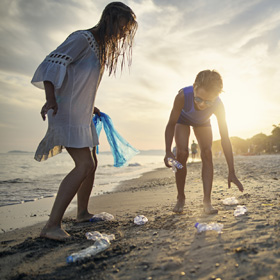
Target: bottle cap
69 259
196 224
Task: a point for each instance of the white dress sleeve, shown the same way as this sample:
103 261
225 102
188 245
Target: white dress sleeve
54 66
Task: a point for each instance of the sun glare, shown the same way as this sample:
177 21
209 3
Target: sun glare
243 113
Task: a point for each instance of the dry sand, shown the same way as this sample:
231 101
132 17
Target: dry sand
168 246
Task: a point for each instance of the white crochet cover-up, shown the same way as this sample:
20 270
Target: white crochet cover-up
75 71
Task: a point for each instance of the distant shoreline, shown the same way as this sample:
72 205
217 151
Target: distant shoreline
142 152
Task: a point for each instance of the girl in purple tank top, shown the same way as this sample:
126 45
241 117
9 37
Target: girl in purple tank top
193 107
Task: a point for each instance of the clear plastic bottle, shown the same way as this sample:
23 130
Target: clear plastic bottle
98 246
175 164
211 226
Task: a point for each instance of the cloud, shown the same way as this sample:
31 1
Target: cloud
175 40
33 28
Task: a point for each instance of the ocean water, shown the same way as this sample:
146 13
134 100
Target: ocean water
22 179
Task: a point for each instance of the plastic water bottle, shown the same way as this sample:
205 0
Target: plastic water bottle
98 246
140 220
103 216
211 226
174 164
230 201
240 210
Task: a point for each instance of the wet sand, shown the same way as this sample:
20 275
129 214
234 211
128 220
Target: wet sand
168 246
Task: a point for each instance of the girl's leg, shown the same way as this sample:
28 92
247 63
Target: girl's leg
204 138
182 133
84 192
68 188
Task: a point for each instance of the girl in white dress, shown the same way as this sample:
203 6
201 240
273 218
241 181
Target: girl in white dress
70 76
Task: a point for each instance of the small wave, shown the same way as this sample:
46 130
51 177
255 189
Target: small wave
112 166
106 165
49 195
14 181
9 203
29 200
24 167
104 184
18 201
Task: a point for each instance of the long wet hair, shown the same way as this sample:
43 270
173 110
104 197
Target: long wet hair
111 45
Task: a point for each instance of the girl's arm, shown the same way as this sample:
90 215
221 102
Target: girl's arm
225 141
169 131
227 148
50 100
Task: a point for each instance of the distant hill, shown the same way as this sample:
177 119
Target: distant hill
18 152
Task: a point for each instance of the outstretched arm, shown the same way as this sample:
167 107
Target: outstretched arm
170 128
227 148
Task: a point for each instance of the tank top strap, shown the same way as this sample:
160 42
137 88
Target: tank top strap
188 94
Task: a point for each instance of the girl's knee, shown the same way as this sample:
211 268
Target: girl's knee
182 155
88 167
206 154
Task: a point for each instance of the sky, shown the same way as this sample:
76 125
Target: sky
175 40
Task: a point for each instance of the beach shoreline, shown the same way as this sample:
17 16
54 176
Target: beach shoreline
168 246
20 215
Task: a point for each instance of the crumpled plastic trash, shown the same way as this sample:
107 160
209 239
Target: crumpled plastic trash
240 210
230 201
211 226
94 235
140 220
103 216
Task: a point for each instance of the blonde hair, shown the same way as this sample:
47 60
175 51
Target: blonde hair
111 46
210 80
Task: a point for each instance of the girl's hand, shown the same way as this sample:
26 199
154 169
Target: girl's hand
168 155
47 107
233 179
96 111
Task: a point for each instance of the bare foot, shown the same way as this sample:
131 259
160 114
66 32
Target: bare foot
56 233
209 209
179 206
85 217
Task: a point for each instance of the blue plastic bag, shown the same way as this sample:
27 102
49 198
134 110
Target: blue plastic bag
122 151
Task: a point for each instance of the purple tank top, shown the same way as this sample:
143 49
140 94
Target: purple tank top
190 116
